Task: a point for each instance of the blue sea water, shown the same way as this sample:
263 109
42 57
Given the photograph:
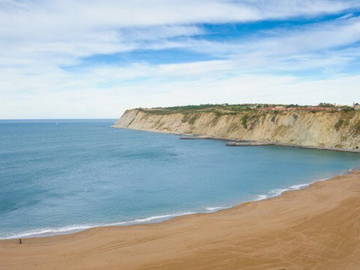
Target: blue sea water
59 176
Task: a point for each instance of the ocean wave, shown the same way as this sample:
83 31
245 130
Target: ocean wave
214 209
48 231
151 219
278 191
77 228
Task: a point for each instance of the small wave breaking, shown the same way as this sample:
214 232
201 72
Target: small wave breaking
77 228
214 209
278 191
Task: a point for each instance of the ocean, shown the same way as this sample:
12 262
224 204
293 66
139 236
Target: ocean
62 176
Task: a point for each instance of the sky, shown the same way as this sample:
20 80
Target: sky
95 59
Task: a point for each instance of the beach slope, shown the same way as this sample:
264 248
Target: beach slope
314 228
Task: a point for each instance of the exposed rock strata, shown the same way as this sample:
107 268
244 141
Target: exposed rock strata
333 130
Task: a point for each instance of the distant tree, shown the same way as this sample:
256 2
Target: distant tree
347 109
323 104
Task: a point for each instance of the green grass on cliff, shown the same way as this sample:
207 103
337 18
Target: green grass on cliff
217 108
222 109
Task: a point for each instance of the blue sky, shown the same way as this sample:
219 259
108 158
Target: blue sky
94 59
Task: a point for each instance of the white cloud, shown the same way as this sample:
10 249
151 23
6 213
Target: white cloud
85 27
303 39
88 101
37 37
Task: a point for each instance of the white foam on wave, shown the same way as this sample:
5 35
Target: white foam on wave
150 219
77 228
261 197
49 231
214 209
277 192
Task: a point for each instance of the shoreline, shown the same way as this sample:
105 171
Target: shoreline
230 140
236 237
76 228
320 218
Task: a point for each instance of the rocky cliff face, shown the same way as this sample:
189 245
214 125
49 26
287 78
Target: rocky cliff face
339 130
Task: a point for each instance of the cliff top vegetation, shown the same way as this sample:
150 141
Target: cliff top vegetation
235 108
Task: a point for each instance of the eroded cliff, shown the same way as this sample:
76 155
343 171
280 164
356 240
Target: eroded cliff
323 129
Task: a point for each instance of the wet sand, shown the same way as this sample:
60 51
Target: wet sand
314 228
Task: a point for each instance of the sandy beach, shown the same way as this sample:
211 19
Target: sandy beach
314 228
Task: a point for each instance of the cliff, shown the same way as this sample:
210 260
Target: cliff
320 129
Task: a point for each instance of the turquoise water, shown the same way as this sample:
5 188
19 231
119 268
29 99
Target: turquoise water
63 176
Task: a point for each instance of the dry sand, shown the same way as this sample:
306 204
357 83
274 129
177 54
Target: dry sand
314 228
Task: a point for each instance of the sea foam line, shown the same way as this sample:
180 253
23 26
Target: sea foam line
50 231
278 191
